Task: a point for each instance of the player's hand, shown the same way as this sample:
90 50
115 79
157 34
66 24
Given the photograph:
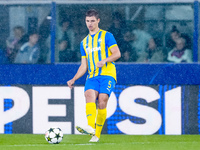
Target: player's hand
70 83
100 63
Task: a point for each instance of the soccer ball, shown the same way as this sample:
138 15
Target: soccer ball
54 135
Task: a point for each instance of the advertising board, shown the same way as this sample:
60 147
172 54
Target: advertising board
132 109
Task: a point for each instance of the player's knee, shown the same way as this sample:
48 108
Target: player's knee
90 97
102 104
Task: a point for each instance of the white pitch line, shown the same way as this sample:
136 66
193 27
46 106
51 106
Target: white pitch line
134 143
31 145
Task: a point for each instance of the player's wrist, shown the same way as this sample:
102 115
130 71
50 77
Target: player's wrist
73 79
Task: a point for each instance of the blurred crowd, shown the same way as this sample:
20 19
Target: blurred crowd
136 45
139 46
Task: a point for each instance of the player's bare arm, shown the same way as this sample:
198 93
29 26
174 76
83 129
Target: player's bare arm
81 71
116 54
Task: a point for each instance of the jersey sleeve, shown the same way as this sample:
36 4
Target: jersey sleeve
110 40
83 54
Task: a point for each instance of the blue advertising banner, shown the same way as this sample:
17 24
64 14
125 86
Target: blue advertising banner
138 74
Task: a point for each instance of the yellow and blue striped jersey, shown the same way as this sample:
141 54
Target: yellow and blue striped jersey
96 48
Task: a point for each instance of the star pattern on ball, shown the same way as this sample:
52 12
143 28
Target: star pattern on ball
50 130
49 139
57 136
54 135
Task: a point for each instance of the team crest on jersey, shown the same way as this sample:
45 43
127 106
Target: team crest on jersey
100 40
93 49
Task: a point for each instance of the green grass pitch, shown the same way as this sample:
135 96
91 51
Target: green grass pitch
107 142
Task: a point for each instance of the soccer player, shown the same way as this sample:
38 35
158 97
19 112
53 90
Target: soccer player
99 50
